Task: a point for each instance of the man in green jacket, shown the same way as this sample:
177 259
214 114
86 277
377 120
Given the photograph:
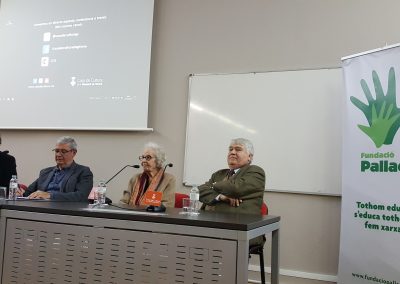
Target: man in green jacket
240 188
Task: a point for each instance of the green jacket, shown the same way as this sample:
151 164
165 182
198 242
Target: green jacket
247 184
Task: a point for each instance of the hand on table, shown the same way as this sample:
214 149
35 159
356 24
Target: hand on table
20 192
39 195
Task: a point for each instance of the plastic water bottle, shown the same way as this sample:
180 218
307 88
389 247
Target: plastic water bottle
13 188
194 200
100 194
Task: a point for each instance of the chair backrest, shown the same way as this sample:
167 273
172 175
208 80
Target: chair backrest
178 199
264 209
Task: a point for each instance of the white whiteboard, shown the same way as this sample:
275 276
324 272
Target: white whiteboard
293 118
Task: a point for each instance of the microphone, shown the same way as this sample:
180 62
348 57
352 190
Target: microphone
168 165
132 166
160 208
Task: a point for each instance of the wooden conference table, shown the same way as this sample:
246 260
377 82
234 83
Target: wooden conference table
68 242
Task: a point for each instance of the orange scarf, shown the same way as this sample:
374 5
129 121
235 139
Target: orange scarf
139 189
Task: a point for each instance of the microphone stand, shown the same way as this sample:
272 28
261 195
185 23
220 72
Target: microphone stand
168 165
132 166
108 200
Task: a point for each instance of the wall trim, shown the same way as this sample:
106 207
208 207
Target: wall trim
294 273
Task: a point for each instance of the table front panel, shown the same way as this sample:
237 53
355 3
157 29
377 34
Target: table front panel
44 252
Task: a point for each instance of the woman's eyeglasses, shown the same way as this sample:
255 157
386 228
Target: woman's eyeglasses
147 157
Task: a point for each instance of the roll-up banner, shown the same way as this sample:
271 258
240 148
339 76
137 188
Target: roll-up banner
370 226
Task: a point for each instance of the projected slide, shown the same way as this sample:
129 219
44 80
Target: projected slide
75 64
67 40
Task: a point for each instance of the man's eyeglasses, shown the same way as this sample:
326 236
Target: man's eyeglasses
61 151
147 158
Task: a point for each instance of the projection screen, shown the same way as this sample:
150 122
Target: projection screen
75 64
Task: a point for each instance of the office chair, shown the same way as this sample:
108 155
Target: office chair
178 199
259 249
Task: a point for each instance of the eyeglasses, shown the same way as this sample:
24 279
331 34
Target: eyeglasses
147 158
61 151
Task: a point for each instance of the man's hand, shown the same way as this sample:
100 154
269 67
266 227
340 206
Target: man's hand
39 195
234 202
20 192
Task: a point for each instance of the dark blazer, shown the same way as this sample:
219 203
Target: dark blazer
8 167
76 185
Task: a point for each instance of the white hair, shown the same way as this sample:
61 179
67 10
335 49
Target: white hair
68 140
159 153
244 142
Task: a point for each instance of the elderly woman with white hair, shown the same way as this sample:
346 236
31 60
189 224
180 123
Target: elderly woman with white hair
153 178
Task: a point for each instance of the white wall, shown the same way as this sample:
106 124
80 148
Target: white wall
230 36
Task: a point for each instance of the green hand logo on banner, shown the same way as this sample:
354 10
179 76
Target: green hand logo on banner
382 113
381 124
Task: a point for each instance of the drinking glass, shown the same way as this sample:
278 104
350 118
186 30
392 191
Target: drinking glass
185 206
3 192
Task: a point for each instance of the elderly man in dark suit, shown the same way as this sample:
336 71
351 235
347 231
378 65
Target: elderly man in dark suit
239 188
8 167
67 181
